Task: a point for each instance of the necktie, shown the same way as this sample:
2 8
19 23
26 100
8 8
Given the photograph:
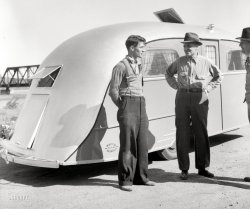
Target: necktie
190 71
135 67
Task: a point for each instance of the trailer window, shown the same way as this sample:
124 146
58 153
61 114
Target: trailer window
156 61
235 60
49 76
232 59
48 80
210 52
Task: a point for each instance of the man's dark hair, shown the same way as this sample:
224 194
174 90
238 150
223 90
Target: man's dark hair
133 40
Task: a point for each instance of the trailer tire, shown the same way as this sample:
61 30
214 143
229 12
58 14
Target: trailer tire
168 153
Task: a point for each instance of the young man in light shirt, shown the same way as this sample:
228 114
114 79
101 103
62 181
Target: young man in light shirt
126 91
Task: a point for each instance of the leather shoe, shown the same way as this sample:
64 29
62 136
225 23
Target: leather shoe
149 183
247 179
206 173
184 175
125 188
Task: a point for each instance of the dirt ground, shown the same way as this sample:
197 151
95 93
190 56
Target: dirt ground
95 186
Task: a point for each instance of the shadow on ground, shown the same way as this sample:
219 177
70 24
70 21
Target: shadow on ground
161 176
70 175
222 138
90 174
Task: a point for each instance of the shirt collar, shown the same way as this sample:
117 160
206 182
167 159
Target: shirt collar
193 59
132 60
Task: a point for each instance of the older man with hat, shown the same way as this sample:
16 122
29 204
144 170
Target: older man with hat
245 46
196 77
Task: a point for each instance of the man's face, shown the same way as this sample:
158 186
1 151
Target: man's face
138 50
245 47
190 49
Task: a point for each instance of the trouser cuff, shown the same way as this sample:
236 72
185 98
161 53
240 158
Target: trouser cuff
125 183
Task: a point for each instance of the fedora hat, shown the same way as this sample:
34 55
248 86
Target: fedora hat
245 34
192 38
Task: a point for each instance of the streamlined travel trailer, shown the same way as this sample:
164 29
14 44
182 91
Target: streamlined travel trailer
68 117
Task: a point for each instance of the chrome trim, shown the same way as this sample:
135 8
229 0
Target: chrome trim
234 72
25 160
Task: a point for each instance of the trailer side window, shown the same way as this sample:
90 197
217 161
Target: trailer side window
232 59
211 53
46 76
156 61
49 80
235 60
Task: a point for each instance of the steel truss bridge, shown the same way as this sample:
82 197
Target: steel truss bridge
18 76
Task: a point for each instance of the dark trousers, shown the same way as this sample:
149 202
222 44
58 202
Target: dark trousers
133 154
248 110
188 110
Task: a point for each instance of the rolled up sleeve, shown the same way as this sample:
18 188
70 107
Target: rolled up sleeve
170 78
217 77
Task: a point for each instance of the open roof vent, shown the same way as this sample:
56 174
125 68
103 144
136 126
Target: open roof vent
169 15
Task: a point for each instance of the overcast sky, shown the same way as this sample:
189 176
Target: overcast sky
30 29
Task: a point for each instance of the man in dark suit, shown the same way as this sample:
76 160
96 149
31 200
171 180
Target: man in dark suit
245 46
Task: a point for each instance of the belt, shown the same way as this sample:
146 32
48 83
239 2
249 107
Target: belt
192 90
133 97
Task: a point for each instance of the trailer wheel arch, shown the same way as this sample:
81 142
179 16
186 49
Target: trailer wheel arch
168 153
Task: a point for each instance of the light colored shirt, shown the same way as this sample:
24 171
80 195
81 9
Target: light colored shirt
135 64
126 80
198 72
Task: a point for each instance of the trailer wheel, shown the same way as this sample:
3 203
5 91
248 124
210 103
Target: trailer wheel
168 153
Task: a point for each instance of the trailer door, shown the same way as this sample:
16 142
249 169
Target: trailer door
210 50
233 85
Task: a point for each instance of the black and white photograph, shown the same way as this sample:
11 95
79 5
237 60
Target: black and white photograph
114 104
